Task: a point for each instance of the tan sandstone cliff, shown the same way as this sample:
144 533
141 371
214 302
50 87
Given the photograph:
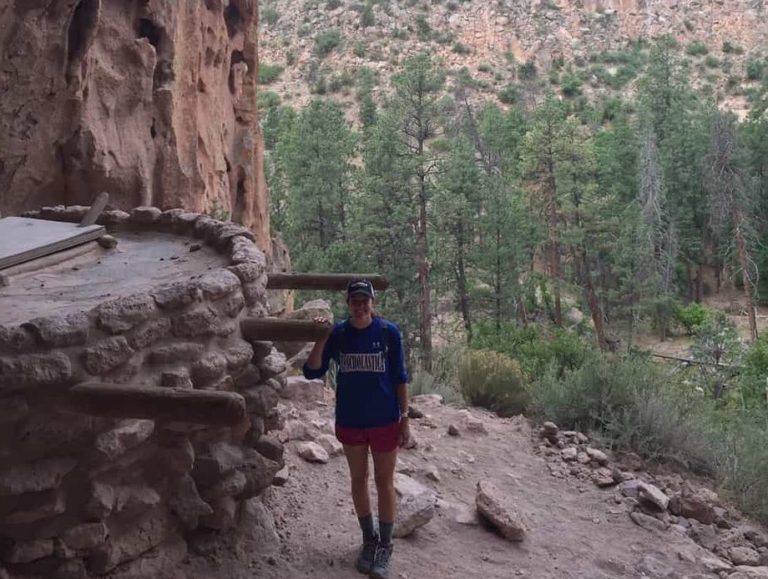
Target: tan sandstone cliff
150 100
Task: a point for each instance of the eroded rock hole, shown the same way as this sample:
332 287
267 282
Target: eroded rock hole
82 30
152 129
237 57
149 30
239 206
233 20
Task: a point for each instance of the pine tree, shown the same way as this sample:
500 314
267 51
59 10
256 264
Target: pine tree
540 158
315 163
455 207
416 105
730 201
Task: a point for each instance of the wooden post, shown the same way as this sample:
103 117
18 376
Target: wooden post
208 407
93 213
322 281
276 329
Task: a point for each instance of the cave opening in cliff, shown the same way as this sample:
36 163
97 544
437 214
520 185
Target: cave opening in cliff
237 57
233 20
82 30
239 204
149 30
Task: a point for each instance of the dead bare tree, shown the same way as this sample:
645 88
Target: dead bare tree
661 234
729 202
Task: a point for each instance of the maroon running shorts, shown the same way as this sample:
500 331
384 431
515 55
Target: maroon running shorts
379 438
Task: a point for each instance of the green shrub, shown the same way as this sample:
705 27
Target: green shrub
729 48
341 80
692 317
711 62
423 29
464 78
332 4
485 67
629 402
755 69
741 459
753 381
697 48
459 48
290 58
304 30
570 84
267 99
269 73
326 41
359 49
366 17
509 94
493 381
269 15
527 70
534 349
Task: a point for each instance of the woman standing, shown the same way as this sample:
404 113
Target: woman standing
371 412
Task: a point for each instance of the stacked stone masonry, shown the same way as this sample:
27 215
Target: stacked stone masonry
84 495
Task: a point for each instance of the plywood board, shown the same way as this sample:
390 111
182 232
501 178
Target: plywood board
23 239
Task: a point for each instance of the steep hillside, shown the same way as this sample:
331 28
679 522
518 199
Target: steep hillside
508 47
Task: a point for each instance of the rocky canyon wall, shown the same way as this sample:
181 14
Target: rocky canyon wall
153 101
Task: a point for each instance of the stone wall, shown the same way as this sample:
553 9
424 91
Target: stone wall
85 495
152 100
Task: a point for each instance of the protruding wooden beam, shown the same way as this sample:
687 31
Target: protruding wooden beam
322 281
278 330
93 213
213 408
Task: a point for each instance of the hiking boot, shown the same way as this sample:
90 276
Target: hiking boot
381 562
367 555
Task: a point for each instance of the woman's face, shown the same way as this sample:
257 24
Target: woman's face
360 306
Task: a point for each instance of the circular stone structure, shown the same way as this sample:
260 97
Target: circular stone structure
133 412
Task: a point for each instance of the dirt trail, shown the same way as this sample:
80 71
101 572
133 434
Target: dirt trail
576 529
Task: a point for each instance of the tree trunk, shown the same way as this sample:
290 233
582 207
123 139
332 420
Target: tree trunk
581 262
700 282
422 255
461 285
553 245
522 313
497 280
738 222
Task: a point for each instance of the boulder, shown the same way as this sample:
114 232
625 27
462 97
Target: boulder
500 511
697 504
653 495
415 505
597 456
647 522
257 533
331 444
569 454
312 452
299 389
744 556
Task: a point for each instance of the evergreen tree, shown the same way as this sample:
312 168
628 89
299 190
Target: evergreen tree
455 207
730 202
416 106
314 159
540 153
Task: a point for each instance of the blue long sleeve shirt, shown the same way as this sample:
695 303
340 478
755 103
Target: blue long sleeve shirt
370 365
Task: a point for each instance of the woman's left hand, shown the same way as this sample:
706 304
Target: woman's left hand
405 431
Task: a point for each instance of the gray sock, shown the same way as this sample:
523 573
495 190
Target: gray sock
385 533
366 525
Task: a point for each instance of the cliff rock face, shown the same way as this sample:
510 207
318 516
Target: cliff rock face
153 101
